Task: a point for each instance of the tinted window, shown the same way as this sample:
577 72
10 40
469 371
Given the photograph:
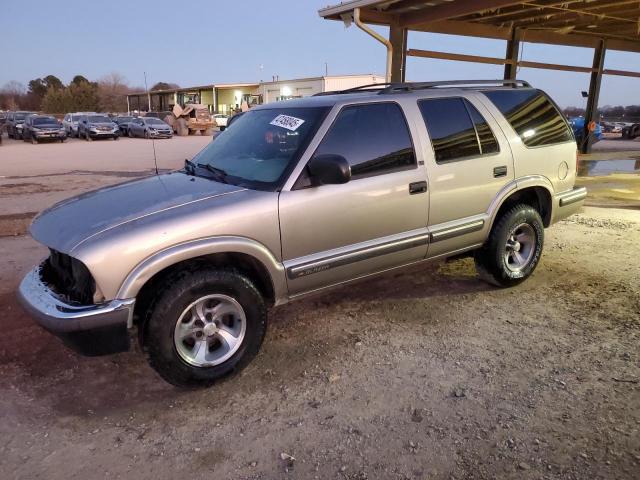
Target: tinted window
44 121
373 138
450 128
532 116
99 119
488 143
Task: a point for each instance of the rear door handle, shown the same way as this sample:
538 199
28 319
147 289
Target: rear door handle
500 171
417 187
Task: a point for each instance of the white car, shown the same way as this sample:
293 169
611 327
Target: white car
220 119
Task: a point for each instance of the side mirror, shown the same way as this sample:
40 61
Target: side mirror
329 170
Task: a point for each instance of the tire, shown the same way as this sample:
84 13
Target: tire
87 137
182 127
176 361
130 133
34 140
146 134
513 249
115 137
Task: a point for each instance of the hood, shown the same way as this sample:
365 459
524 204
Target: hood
68 223
101 124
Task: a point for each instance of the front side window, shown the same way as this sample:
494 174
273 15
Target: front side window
452 130
373 138
263 145
532 115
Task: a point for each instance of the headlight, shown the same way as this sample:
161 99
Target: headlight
19 126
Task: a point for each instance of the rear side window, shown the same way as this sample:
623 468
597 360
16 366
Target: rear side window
373 138
532 115
457 129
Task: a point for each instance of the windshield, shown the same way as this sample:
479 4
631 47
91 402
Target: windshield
45 121
99 119
20 116
262 146
153 121
75 118
124 119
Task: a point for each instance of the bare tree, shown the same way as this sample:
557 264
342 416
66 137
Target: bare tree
12 95
112 90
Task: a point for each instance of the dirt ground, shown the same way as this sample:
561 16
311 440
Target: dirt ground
423 373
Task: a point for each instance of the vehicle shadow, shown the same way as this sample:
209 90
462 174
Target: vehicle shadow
70 384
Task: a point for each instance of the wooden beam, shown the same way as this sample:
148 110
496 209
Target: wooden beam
512 53
446 11
594 95
469 29
398 39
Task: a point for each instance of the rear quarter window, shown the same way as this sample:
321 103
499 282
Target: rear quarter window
532 115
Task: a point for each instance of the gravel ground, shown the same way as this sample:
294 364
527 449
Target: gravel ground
422 373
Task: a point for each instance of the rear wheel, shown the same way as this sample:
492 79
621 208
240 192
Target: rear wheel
513 249
204 325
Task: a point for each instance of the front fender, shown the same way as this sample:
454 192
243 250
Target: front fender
205 246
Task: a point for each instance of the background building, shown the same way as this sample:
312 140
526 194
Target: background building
227 97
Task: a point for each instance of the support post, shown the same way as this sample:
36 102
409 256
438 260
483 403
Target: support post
512 54
128 106
594 95
398 39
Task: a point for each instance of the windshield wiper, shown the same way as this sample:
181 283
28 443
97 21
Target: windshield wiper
189 167
219 174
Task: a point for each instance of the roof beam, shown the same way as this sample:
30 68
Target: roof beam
446 11
522 63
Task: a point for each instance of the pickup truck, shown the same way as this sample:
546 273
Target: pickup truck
298 197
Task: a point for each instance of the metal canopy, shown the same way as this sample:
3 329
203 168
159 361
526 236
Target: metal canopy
599 24
570 22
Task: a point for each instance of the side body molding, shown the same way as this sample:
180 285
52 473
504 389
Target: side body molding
205 246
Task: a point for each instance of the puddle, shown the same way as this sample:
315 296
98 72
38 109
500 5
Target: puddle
596 168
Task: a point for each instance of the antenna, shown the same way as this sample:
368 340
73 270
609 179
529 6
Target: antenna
153 142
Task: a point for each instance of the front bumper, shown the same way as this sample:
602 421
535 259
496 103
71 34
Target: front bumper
104 134
87 329
160 134
51 135
569 202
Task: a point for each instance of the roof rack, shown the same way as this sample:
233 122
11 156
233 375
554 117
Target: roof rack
367 87
397 87
411 86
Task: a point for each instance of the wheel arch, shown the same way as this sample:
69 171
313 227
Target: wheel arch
535 192
247 256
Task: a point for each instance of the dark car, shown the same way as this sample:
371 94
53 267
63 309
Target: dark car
149 127
91 127
123 124
43 127
15 121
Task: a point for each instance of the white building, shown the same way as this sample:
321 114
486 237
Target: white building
305 87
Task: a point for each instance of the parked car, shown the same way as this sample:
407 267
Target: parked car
220 119
123 123
577 125
631 132
298 197
160 115
149 127
70 122
95 126
14 122
43 127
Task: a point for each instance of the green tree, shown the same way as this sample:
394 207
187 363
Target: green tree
76 97
79 79
164 86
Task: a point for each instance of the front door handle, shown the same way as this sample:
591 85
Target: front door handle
500 171
417 187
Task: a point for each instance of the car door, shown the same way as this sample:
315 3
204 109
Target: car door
469 163
376 221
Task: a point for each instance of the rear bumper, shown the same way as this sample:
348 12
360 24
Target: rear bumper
569 202
89 330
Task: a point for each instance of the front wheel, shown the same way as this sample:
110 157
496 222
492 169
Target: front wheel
513 249
204 325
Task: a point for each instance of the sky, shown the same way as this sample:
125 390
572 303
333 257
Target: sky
202 42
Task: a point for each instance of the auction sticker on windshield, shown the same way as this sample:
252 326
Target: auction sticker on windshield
285 121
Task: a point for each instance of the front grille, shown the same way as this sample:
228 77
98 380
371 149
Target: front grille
69 278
